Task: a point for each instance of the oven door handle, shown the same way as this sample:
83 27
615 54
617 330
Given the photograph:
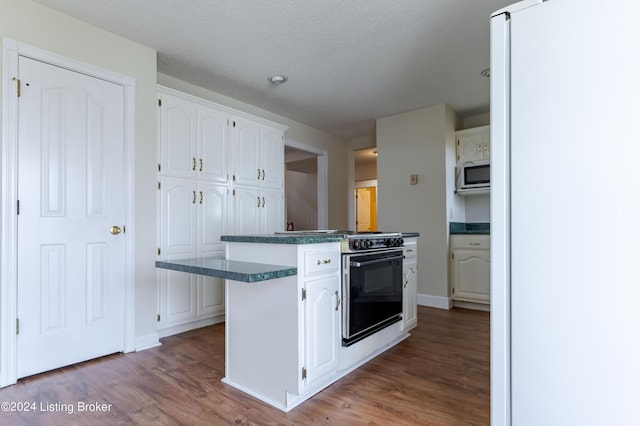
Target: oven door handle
372 262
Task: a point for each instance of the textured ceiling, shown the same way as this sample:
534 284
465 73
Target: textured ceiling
348 61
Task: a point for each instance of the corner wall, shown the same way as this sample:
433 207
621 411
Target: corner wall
419 142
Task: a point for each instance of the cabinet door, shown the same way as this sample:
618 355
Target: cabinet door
246 205
409 293
321 328
213 142
212 214
470 147
471 275
178 139
272 161
271 211
177 290
246 158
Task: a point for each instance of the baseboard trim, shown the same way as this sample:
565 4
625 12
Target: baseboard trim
181 328
434 301
147 341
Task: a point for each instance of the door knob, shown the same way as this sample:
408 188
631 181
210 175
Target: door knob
115 230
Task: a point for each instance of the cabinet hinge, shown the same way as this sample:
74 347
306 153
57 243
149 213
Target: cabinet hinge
159 168
158 251
158 185
17 326
234 192
458 158
158 317
451 256
234 124
17 85
234 178
159 102
18 207
304 294
453 291
124 229
304 373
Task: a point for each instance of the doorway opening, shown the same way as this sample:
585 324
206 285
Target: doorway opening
305 187
366 189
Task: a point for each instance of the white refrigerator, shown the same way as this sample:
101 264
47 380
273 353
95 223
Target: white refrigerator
565 213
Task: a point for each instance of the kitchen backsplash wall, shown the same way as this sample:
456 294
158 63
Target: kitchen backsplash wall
477 208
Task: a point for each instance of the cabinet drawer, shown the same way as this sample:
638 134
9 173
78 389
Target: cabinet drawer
321 262
410 249
470 241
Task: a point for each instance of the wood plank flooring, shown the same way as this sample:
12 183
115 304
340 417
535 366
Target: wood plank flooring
438 376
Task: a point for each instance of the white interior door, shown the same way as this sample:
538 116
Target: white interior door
71 193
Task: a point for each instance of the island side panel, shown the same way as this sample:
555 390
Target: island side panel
262 330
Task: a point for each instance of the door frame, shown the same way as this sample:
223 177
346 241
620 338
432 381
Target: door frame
11 51
323 176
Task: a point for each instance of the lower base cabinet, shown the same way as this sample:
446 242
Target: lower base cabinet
470 268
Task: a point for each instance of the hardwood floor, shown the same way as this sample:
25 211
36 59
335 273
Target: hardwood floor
439 376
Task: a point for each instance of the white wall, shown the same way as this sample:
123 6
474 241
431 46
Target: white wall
419 142
43 28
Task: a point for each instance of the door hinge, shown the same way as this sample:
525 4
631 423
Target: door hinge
158 317
159 102
304 294
304 373
17 206
17 326
158 251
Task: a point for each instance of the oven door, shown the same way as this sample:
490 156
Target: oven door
372 291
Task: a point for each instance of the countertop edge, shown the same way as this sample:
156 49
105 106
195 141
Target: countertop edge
230 270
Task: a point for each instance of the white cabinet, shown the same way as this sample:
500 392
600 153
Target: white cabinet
193 139
410 284
258 155
258 211
470 268
198 140
192 220
473 144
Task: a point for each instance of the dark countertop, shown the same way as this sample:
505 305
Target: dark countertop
295 237
247 272
469 228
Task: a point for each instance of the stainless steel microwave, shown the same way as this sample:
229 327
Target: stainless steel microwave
473 176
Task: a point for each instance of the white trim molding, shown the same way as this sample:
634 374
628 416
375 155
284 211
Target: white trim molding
11 51
434 301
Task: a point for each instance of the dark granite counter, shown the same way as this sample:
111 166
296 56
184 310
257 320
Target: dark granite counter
284 238
247 272
469 228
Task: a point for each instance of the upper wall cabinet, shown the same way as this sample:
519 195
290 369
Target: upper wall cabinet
473 144
193 139
258 155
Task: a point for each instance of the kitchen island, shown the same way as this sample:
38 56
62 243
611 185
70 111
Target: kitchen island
284 333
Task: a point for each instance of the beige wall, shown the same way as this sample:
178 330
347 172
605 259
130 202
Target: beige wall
419 142
43 28
335 146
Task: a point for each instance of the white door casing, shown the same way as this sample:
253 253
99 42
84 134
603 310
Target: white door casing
109 320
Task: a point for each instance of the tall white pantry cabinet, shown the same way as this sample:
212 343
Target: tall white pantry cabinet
220 172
